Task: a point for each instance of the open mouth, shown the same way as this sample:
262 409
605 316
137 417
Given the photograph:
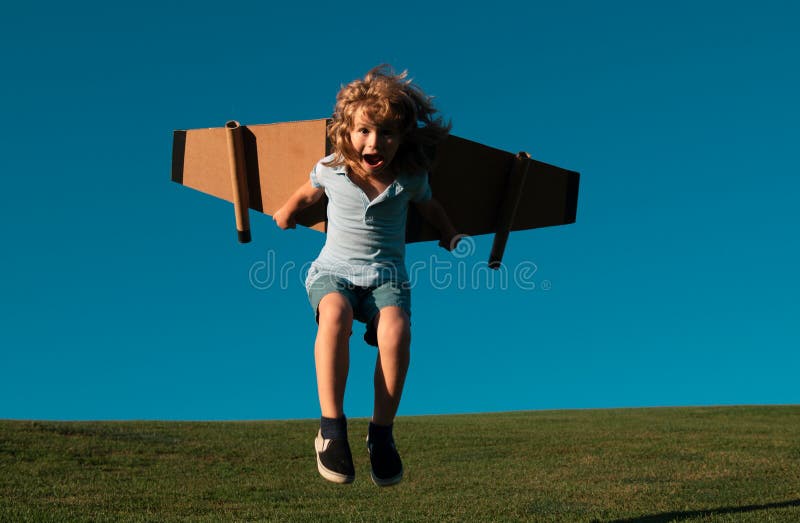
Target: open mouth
373 160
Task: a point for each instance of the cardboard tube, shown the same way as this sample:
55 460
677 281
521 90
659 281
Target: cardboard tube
237 167
508 209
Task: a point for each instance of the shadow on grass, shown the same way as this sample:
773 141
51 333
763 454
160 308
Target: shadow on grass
678 516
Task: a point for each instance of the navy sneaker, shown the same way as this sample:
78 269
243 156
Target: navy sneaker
387 468
334 460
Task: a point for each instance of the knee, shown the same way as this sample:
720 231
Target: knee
335 312
394 326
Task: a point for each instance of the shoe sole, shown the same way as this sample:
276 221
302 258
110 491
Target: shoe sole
388 482
330 475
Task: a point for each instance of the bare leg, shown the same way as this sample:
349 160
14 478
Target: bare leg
394 355
332 353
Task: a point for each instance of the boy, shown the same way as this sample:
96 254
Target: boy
380 128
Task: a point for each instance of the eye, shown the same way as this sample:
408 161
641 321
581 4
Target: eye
363 130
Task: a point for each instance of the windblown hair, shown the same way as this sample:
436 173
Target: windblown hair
392 101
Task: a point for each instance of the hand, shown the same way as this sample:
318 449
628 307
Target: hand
283 219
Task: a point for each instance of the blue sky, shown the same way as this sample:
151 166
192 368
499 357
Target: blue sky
125 296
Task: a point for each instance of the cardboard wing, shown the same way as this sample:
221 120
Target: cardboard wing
484 190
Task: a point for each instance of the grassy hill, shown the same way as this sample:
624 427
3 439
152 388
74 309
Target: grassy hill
650 465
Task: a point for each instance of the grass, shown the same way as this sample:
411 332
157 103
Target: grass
649 465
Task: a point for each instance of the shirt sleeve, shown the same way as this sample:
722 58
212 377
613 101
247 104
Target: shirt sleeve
422 191
315 179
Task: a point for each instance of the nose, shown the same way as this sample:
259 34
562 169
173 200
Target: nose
372 140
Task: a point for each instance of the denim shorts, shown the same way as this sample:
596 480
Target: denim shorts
365 301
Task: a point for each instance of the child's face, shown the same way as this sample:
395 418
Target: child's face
374 145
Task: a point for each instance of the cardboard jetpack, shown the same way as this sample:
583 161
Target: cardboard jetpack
484 190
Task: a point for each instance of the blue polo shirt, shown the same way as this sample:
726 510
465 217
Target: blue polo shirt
365 241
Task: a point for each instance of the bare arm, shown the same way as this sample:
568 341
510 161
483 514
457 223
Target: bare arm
303 197
435 214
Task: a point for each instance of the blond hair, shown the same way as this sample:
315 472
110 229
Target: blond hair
389 100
